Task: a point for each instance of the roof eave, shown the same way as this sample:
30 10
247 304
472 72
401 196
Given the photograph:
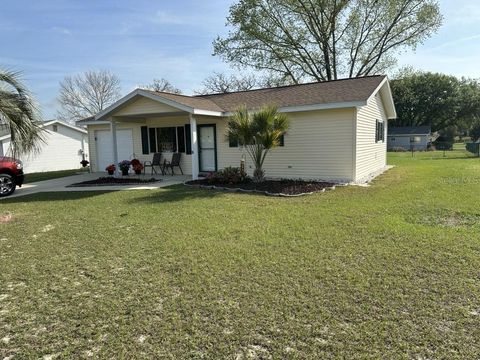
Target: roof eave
386 94
313 107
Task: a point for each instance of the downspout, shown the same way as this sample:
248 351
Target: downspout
354 144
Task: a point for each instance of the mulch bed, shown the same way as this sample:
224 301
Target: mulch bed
284 187
108 181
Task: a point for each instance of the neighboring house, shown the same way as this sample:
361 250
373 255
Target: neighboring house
337 129
61 150
408 137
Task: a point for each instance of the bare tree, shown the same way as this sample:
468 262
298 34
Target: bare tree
325 39
87 94
162 85
223 83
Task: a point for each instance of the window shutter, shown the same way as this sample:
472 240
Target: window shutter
376 130
145 148
282 140
188 139
153 140
181 139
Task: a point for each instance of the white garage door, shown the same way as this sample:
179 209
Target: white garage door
104 147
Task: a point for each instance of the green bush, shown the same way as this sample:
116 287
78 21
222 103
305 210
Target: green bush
228 175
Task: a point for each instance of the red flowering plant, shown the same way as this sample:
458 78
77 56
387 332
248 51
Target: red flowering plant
136 166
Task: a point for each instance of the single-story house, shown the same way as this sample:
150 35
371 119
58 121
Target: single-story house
408 137
337 129
61 150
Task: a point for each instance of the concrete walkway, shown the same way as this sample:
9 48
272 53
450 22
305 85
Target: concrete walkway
61 184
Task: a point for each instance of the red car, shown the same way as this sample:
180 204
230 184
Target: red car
11 175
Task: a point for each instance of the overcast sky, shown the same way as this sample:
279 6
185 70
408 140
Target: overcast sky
139 40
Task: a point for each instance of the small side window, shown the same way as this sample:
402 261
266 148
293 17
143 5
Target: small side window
379 131
55 128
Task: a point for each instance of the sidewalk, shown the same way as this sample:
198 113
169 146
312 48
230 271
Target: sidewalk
61 184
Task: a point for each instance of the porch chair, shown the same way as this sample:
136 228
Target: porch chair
155 162
174 163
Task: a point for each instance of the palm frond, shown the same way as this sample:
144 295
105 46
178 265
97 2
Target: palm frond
19 114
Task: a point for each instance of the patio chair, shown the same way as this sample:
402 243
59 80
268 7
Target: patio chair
155 162
171 164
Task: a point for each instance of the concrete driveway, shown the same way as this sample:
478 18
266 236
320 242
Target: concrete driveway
61 184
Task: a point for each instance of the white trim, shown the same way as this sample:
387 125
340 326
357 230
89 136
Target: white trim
390 108
194 144
96 122
208 112
312 107
340 105
113 133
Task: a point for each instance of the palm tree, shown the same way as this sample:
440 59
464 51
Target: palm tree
19 114
259 133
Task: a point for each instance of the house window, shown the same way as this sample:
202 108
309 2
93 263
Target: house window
379 131
55 128
167 139
415 139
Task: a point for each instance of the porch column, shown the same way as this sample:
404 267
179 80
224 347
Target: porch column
113 131
193 129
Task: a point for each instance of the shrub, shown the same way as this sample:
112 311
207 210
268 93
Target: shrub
228 175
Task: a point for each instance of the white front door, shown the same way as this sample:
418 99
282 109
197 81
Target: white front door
207 147
105 147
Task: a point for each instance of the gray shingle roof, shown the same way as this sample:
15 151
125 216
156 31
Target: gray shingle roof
410 130
327 92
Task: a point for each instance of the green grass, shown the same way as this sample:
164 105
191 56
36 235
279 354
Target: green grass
48 175
387 271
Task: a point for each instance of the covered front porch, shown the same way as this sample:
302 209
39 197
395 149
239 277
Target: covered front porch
141 126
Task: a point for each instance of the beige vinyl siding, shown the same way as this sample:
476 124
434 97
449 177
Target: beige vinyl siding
370 155
318 145
144 106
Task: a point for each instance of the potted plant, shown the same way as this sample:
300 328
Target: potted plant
124 166
136 166
84 163
110 169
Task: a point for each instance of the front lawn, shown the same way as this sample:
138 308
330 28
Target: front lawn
387 271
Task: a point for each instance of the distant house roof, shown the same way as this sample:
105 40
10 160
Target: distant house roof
410 130
6 135
342 93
